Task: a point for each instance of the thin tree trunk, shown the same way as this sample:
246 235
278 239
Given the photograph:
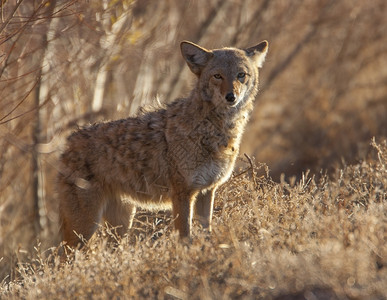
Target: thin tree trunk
103 71
37 187
35 162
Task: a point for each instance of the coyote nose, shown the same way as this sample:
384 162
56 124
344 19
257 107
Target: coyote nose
230 97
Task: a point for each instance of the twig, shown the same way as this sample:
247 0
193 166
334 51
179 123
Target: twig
252 169
10 16
22 100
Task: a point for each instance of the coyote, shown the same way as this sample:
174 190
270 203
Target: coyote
173 157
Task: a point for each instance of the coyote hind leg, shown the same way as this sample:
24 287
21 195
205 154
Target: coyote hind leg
120 215
80 213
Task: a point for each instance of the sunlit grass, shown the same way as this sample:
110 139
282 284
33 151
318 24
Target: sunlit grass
321 238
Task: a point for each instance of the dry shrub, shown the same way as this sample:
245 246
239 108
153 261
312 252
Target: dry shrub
324 93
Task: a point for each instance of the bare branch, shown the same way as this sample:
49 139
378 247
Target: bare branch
18 3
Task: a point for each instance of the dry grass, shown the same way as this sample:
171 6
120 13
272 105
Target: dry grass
323 97
325 238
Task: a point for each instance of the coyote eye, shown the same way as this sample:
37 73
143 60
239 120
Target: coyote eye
218 76
241 75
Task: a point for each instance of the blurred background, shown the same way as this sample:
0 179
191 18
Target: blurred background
63 64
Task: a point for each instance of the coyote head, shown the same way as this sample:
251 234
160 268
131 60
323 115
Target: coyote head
227 76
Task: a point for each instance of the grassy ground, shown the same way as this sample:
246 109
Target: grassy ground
310 239
323 96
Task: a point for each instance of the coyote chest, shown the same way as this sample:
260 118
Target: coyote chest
205 150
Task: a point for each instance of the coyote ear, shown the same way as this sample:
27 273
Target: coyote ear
195 56
258 52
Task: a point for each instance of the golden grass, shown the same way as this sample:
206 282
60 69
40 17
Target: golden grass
323 238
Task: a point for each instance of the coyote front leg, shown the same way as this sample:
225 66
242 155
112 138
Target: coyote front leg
204 207
182 202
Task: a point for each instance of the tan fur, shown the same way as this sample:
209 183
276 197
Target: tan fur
174 157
